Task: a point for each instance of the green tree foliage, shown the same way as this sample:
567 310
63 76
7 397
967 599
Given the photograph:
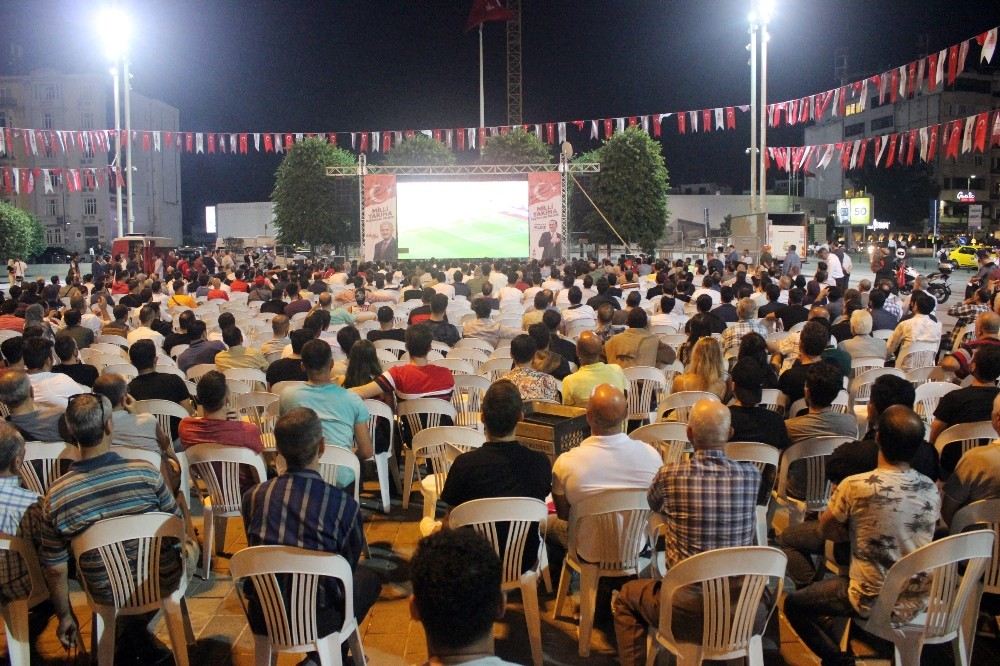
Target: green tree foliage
420 150
901 194
21 235
631 191
311 207
517 147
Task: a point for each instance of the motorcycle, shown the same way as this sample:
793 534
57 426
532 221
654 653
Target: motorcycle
937 282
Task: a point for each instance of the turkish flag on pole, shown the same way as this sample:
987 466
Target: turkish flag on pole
730 117
484 11
979 139
932 139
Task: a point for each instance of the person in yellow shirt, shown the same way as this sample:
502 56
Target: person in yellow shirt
238 356
180 298
578 386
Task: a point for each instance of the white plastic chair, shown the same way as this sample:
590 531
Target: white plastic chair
432 355
841 404
135 586
495 368
442 347
862 364
965 334
984 514
110 349
254 405
48 457
223 499
774 400
115 340
15 612
762 456
615 521
456 365
929 394
440 446
882 334
395 347
668 437
293 627
522 515
474 343
280 387
861 385
477 357
419 414
196 372
253 379
954 597
812 454
467 398
966 435
177 350
920 355
646 386
677 406
385 463
728 626
578 326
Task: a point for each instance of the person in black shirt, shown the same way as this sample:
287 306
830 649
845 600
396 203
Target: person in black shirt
422 313
842 330
812 342
290 369
546 360
603 295
275 305
153 385
773 293
414 292
502 467
461 289
385 317
704 303
725 311
793 313
970 404
750 421
182 338
69 362
561 346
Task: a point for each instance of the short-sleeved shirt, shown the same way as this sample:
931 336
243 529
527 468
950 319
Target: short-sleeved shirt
41 425
758 424
20 515
285 370
81 373
339 410
160 386
965 405
412 381
890 514
578 386
532 384
194 430
200 351
106 486
977 475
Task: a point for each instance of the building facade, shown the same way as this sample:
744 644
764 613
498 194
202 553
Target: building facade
85 220
973 92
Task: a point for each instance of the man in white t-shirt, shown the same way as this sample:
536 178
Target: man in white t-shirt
442 286
48 388
835 270
607 459
144 332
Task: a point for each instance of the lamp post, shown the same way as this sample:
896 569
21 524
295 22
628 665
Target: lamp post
752 47
764 10
115 28
128 146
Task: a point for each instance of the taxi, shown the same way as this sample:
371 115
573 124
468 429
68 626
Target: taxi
964 256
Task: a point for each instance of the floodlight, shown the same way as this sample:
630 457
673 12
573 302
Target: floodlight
115 29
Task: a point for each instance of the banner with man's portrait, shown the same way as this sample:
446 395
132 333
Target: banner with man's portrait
545 207
380 240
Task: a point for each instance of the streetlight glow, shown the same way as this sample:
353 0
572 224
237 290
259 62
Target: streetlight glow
766 10
115 29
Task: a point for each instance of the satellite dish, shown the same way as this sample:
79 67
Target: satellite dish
567 149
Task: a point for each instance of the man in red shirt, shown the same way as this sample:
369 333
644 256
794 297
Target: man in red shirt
216 292
416 379
8 320
239 284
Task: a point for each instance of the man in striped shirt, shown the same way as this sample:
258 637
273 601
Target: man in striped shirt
298 508
100 485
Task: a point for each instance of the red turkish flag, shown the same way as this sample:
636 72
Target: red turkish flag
730 117
386 141
211 142
656 125
484 11
268 143
861 153
189 142
550 133
932 65
893 85
706 120
682 122
804 110
954 138
891 157
607 128
481 137
244 143
364 142
911 79
289 141
952 64
979 138
932 139
460 136
912 139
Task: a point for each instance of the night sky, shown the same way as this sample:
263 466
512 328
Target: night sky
244 65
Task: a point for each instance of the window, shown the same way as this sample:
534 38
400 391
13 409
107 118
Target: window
47 121
854 130
90 206
87 121
53 236
49 93
51 207
883 122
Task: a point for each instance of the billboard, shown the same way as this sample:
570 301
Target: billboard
856 212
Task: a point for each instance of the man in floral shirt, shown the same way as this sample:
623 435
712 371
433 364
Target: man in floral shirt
530 383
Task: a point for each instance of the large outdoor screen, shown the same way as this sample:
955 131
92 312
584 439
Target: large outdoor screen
455 218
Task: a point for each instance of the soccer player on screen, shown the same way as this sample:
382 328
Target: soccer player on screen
385 249
551 242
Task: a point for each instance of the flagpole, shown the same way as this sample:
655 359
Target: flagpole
482 103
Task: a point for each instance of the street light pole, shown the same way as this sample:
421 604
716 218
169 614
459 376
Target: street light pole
118 153
753 112
128 148
762 181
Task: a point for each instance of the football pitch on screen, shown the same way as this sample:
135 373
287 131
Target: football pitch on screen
497 235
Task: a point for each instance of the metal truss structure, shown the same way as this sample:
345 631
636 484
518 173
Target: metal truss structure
514 91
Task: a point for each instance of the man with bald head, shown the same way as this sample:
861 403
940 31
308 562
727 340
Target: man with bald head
706 502
607 459
578 386
885 515
987 334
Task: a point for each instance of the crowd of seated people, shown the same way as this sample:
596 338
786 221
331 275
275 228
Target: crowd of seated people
325 337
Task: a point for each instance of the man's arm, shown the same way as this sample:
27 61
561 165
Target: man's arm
363 439
369 390
562 506
832 529
937 427
57 578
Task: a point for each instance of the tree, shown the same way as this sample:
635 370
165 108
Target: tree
309 206
631 191
901 194
516 147
21 235
420 150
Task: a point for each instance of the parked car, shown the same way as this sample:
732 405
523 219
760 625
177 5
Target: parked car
51 255
964 256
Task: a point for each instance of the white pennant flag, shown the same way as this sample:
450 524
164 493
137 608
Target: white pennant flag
863 102
963 53
3 143
854 153
805 157
447 138
376 142
62 140
593 129
720 118
156 141
427 133
199 142
989 46
538 131
32 142
234 143
17 180
561 130
353 139
398 137
256 141
693 120
827 156
970 124
279 144
47 181
644 123
883 87
921 69
939 75
923 144
619 125
836 102
881 149
902 81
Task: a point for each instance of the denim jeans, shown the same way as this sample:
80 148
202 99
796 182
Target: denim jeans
814 613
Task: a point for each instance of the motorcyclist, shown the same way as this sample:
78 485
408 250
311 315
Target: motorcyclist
987 272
